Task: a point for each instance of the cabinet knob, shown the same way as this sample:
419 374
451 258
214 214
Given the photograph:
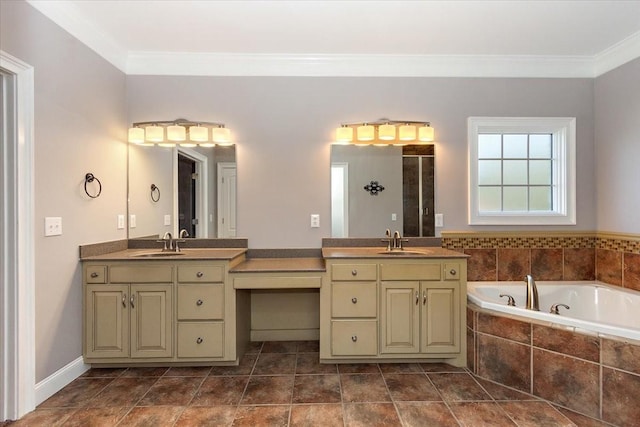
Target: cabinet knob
94 275
199 340
452 272
354 300
199 274
354 338
354 272
199 302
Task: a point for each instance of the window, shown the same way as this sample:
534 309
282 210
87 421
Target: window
521 170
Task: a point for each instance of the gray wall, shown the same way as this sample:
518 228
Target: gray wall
283 127
80 127
617 125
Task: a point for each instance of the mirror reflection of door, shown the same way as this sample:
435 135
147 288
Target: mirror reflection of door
417 190
226 200
187 195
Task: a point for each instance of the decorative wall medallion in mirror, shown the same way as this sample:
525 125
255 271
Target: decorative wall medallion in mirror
198 187
406 204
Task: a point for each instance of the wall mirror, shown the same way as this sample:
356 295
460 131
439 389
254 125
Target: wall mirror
378 187
176 188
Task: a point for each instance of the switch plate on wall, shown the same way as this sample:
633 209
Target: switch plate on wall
439 220
315 220
167 220
53 226
132 221
120 222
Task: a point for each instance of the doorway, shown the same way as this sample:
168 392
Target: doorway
191 200
418 199
17 284
187 195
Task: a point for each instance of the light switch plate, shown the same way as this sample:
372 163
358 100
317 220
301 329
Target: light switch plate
132 221
315 220
394 217
120 222
439 220
53 226
167 220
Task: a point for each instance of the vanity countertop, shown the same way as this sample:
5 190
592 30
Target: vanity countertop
267 265
184 254
380 252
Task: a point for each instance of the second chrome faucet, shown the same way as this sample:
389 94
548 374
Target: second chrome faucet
395 242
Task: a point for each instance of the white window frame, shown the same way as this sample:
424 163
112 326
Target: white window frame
563 130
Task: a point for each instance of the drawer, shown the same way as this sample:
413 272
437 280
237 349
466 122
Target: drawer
410 271
200 273
354 299
201 302
451 271
141 274
354 338
96 274
355 272
201 339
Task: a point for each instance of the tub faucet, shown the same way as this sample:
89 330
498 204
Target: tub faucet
531 302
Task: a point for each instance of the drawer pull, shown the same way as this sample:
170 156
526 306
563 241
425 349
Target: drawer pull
452 272
354 300
199 302
124 300
354 272
94 275
199 274
354 338
199 340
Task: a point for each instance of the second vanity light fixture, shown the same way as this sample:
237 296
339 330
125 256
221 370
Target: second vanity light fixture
385 132
186 133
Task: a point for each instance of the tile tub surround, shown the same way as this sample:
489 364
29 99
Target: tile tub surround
283 384
598 377
610 258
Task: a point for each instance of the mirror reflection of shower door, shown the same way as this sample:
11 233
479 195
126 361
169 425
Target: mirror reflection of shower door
417 188
187 195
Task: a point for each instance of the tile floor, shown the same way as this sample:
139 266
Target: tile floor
282 384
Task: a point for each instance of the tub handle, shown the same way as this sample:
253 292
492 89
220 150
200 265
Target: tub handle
510 300
554 308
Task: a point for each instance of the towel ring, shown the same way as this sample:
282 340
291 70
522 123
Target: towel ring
155 190
89 177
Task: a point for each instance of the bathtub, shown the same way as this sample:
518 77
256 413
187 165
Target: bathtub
595 308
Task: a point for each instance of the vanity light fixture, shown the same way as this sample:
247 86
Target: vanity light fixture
385 132
181 132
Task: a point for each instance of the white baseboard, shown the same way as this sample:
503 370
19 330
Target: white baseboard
285 335
59 379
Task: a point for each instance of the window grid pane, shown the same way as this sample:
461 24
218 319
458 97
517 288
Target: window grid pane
524 184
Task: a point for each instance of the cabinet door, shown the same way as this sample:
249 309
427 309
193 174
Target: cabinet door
440 318
399 317
107 321
151 321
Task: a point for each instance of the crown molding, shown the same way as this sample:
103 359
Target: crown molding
213 64
220 64
67 17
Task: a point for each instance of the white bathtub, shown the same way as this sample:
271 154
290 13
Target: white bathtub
595 307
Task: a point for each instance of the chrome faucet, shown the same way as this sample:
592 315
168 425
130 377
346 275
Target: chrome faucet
183 233
388 240
531 302
397 241
167 239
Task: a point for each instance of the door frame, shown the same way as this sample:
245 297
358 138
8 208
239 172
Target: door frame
17 296
221 204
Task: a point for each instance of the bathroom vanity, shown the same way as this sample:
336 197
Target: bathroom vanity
194 307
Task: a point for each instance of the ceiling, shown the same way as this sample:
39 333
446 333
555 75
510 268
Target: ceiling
397 38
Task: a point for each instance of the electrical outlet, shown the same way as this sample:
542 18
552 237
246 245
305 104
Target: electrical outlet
439 220
132 221
120 222
315 220
53 226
